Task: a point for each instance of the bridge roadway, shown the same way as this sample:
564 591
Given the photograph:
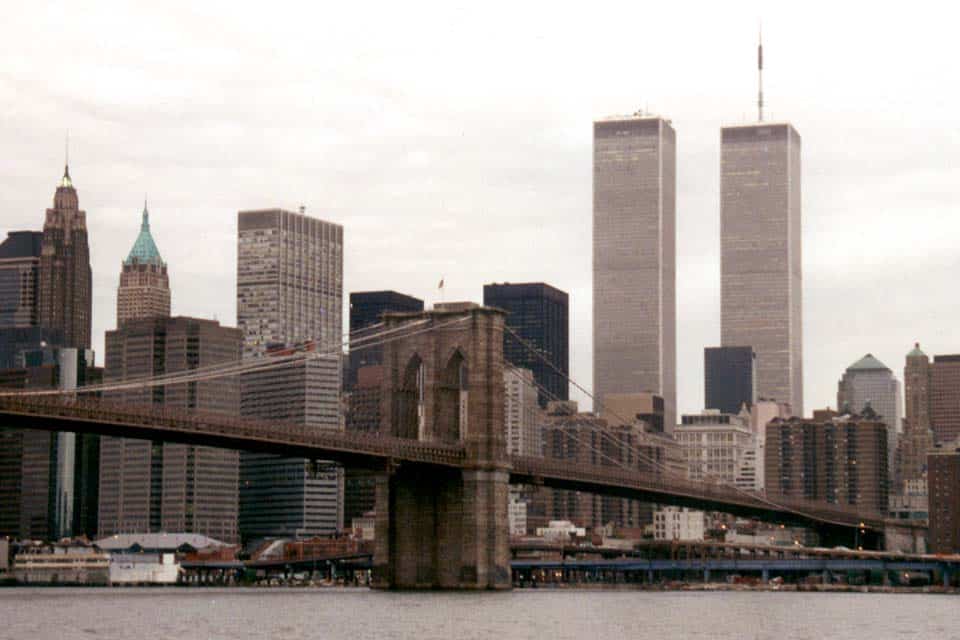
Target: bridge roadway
374 451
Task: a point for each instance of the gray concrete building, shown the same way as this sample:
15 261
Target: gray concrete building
634 258
290 292
760 254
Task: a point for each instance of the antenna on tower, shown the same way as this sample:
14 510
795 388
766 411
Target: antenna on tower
760 71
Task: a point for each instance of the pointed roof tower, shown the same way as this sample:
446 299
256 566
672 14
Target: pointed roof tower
868 363
144 249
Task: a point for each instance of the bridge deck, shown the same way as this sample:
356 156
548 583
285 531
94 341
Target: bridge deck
162 422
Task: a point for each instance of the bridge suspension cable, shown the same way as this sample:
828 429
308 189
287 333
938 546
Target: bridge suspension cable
240 367
748 494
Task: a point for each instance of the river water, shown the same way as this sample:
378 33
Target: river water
359 614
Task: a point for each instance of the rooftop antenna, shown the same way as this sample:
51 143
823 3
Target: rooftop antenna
760 71
66 154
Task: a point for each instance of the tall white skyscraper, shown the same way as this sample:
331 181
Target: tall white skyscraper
761 279
634 259
289 280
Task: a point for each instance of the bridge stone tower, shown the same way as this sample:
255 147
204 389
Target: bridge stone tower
443 527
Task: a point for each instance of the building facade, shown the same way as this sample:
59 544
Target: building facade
634 258
585 439
540 315
290 292
66 289
715 445
761 277
945 398
144 290
289 280
918 436
679 523
148 487
46 489
522 413
870 383
944 492
840 460
729 378
366 310
292 497
19 279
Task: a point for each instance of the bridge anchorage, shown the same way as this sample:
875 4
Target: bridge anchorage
441 527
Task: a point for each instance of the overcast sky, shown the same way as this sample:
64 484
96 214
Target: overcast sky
455 140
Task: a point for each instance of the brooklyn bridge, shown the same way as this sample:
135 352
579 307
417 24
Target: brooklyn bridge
440 458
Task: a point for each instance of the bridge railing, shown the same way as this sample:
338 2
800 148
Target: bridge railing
164 417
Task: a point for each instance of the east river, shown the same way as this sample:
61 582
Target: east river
281 614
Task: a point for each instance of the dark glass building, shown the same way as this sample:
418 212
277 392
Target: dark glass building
539 313
366 309
729 377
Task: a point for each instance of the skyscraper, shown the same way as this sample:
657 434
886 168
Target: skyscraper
290 291
917 438
65 278
20 328
155 486
287 497
144 290
760 254
634 258
729 378
366 309
869 382
933 395
289 280
540 315
19 275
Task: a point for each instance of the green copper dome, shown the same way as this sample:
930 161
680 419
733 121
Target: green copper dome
916 351
144 249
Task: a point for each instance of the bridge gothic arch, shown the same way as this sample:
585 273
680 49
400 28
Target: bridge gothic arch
408 402
452 399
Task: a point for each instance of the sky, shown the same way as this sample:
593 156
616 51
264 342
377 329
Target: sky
454 140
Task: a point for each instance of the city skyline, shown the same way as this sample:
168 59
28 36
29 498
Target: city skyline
891 241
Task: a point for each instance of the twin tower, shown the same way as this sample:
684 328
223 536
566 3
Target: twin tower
635 256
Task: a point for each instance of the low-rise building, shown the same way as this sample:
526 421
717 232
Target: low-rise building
679 523
561 531
517 513
143 568
75 564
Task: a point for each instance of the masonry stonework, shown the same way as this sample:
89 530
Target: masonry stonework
440 527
